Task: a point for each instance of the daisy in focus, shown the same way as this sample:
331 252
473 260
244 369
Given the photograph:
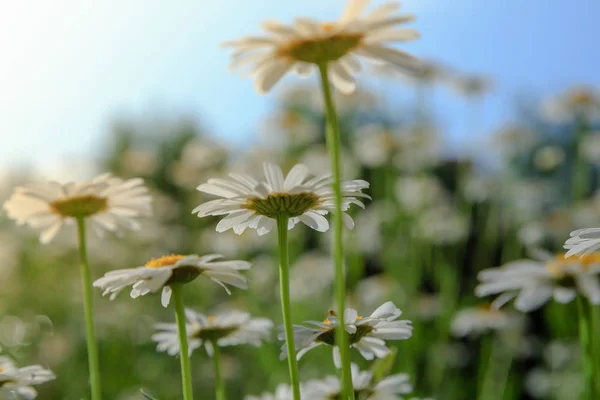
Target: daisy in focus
282 392
532 283
248 203
582 242
367 334
19 381
338 45
230 328
108 202
389 388
475 321
160 273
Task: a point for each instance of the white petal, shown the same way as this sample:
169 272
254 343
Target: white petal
165 297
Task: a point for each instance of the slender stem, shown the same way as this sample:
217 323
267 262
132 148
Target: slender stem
184 356
586 349
219 385
88 305
284 286
333 147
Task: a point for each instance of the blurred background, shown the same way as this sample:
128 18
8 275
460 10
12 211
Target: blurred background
492 152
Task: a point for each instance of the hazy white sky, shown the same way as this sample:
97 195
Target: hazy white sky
67 67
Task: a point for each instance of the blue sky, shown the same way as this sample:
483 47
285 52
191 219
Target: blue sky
69 67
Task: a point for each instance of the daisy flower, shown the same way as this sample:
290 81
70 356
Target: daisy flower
307 43
161 273
390 388
534 282
248 203
20 380
367 334
475 321
282 392
109 203
583 241
229 328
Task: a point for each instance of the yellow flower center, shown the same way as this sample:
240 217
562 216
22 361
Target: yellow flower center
328 335
80 206
581 96
212 318
181 274
321 50
276 204
1 369
164 261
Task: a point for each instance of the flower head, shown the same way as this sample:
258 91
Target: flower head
160 273
230 328
534 282
248 203
389 388
20 380
109 203
305 43
474 321
367 334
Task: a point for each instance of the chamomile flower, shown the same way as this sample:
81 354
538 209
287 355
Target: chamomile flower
19 381
109 203
229 328
248 203
308 43
583 241
159 273
534 282
367 334
475 321
389 388
282 392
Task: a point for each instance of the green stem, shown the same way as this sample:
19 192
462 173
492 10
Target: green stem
284 286
586 349
219 386
184 356
88 305
333 147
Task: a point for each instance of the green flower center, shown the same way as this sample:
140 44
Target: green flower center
80 206
183 274
277 204
321 50
213 334
328 336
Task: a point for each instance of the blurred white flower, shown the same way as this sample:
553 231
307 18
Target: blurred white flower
320 163
109 203
282 392
548 157
376 289
367 334
576 101
389 388
299 129
374 144
419 149
590 147
475 321
307 43
513 140
248 203
227 328
471 86
532 234
477 188
419 192
160 273
534 282
230 244
303 285
139 161
442 225
19 381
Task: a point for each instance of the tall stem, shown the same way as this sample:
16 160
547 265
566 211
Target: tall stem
333 147
88 305
284 287
586 349
184 356
219 386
